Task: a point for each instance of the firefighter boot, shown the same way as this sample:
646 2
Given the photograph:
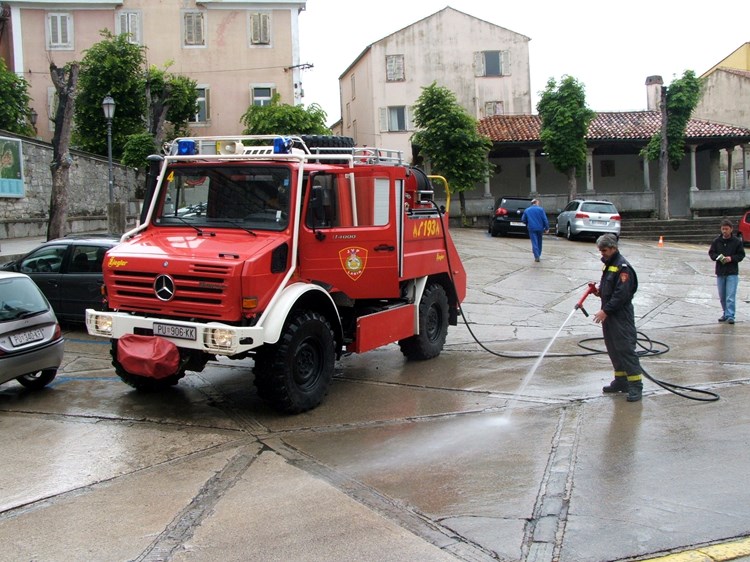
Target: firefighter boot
620 384
635 388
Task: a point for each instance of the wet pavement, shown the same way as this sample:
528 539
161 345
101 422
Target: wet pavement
470 456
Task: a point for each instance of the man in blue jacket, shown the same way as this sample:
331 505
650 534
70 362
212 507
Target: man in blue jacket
536 221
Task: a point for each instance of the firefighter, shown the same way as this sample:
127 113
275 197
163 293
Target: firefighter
616 289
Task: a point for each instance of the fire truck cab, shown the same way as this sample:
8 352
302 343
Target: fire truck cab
289 250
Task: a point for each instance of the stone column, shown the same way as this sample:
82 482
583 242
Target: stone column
730 168
532 171
693 172
646 175
745 166
589 170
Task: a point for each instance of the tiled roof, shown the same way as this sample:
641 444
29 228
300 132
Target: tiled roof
611 126
737 71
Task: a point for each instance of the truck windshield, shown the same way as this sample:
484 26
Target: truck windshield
251 197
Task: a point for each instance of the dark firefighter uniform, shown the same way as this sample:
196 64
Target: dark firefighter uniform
616 289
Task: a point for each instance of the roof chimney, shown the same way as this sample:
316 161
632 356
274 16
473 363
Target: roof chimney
653 92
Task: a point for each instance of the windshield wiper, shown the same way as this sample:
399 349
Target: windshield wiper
238 225
198 230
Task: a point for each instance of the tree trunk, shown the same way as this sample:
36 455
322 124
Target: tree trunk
65 87
664 160
572 184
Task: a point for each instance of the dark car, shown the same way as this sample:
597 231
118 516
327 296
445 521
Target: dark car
69 273
506 216
743 228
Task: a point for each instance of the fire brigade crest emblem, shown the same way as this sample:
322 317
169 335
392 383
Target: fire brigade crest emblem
354 261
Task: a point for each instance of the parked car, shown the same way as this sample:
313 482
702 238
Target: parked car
506 216
743 228
588 218
69 273
31 342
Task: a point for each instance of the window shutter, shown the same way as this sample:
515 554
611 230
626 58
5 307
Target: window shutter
261 29
64 38
479 63
383 119
505 70
409 110
134 28
54 35
208 103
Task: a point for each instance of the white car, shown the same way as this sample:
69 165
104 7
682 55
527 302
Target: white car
31 342
588 218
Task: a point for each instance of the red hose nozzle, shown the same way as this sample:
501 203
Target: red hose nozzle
591 289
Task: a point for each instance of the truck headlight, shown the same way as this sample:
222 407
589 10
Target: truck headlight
103 324
221 337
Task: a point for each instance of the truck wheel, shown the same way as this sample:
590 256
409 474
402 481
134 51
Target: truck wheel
143 384
433 326
302 365
40 379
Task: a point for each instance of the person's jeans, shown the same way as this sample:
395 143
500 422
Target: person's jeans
727 285
536 242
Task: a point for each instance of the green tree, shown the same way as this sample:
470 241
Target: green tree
114 67
171 98
15 114
668 146
565 121
283 119
449 141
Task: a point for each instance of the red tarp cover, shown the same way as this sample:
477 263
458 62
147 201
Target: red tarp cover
148 356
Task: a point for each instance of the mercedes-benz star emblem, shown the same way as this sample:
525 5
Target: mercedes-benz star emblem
164 287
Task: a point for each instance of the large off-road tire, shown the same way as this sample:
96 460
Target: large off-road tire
433 325
301 365
327 141
141 383
263 370
35 381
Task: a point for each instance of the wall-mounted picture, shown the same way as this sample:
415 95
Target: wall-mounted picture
11 168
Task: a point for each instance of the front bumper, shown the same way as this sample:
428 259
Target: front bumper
211 337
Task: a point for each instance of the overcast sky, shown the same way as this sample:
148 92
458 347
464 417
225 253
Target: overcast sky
611 47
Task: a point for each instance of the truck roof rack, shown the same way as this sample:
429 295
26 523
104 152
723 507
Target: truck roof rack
273 146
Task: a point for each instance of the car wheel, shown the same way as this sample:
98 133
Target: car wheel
558 232
569 233
35 381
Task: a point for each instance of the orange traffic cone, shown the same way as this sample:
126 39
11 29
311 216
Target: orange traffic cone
661 241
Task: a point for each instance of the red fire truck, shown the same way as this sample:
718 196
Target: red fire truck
288 250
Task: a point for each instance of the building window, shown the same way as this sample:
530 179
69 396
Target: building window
348 114
395 118
607 168
262 95
260 29
493 108
193 27
394 68
59 31
492 63
354 91
129 22
203 114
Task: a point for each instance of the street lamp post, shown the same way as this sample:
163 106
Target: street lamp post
108 105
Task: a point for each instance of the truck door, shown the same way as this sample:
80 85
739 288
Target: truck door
351 232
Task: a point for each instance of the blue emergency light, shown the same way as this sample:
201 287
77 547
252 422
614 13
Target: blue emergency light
186 148
282 145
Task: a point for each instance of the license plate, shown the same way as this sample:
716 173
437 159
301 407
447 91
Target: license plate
173 331
598 223
26 337
517 224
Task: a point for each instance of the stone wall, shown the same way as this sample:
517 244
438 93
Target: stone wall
87 198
